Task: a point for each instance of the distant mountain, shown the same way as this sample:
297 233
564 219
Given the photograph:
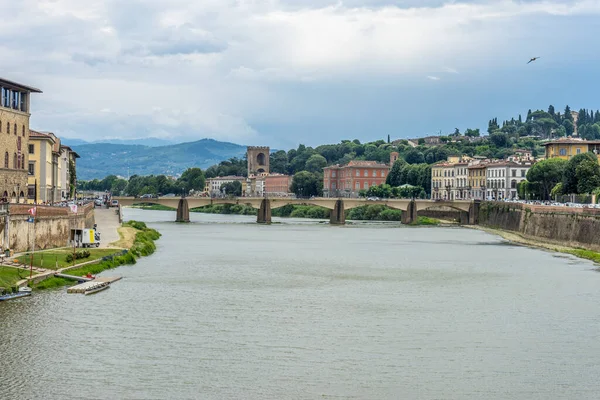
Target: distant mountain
152 142
101 159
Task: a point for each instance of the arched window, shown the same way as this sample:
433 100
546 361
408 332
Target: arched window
15 126
6 161
8 127
15 161
22 161
19 161
513 184
23 131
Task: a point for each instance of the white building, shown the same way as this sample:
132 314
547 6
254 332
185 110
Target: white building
503 177
460 190
212 186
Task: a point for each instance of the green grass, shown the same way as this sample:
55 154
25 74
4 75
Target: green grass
50 259
154 207
427 221
587 254
143 245
10 276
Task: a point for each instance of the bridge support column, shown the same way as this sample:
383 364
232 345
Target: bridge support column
338 214
264 212
183 211
474 212
410 215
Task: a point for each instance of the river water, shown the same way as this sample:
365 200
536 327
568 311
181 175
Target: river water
228 309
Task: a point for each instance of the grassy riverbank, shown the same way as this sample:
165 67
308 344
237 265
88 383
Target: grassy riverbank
142 245
61 258
155 207
537 243
10 276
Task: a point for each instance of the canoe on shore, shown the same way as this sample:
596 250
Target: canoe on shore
13 296
96 289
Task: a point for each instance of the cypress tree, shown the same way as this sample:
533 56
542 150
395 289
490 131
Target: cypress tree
551 110
528 116
520 119
597 117
568 113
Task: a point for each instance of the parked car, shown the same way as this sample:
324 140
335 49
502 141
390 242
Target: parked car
114 203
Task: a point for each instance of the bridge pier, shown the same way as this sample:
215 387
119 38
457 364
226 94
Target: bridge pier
183 211
474 212
264 212
410 215
338 214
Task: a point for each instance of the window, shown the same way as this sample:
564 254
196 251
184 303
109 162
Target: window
19 161
366 185
357 173
357 185
383 173
8 127
15 161
578 151
522 173
514 173
366 173
31 150
6 160
23 131
374 173
333 174
15 129
562 152
31 192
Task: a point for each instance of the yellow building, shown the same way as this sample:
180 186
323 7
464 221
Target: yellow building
568 147
14 139
44 170
477 181
442 180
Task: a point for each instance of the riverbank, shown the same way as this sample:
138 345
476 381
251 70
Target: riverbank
140 240
540 243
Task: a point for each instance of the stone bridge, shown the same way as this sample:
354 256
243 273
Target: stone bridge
338 207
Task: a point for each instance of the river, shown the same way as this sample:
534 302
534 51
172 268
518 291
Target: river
228 309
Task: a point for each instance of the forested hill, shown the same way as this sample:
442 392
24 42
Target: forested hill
101 159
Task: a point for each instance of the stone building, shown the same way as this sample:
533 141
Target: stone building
15 110
258 160
212 186
503 177
277 185
348 180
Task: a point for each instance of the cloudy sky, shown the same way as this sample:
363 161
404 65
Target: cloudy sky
283 72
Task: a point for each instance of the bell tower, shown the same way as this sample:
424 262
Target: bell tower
258 159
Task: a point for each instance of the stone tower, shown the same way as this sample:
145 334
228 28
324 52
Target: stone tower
258 159
393 157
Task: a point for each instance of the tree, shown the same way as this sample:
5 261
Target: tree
544 175
568 115
569 127
588 176
499 139
279 162
394 178
72 179
421 141
306 184
316 163
472 132
414 156
232 188
551 110
570 179
191 179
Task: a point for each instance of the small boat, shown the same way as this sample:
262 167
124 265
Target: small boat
25 289
13 296
96 289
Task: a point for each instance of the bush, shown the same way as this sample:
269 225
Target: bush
81 254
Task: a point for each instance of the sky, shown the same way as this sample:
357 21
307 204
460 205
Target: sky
284 72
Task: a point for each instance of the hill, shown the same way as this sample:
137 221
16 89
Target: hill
101 159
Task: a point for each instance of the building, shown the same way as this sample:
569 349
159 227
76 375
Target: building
521 156
67 159
503 177
277 185
566 148
212 186
348 180
461 189
477 180
258 160
442 181
15 111
43 183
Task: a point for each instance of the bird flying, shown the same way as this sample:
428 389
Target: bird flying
533 59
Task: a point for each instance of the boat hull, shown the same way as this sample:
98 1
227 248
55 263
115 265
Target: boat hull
14 296
96 289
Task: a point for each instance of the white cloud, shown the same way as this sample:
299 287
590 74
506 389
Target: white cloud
210 66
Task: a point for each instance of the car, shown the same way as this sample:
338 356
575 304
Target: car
114 203
98 202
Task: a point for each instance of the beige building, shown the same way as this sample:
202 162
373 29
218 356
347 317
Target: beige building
442 181
14 139
66 159
46 177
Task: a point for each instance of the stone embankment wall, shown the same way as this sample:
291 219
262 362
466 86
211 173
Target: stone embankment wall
574 227
445 213
52 227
